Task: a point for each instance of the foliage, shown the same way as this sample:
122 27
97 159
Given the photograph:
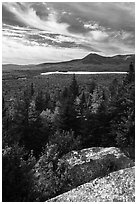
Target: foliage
73 88
40 101
67 117
131 75
92 86
16 174
67 114
26 126
65 141
51 174
123 123
59 119
31 90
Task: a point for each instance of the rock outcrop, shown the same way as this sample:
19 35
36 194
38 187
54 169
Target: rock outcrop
88 164
118 186
78 167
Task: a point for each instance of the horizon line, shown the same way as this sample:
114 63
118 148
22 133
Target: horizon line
31 64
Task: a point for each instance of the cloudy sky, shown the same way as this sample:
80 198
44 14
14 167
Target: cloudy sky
50 32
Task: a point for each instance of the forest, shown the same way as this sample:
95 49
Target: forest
40 126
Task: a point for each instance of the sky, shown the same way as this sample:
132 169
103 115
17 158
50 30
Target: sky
38 32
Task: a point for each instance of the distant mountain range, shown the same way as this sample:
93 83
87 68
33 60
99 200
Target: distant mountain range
91 62
118 59
98 59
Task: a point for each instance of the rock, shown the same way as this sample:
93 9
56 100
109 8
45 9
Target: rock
56 176
88 164
118 186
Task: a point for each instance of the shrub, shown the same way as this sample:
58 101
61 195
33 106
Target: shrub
50 174
65 141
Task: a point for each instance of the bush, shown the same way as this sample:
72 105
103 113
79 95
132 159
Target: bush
50 174
65 141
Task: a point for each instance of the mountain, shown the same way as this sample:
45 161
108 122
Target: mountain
98 59
91 62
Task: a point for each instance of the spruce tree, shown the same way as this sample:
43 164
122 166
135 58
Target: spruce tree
31 90
74 88
39 101
67 117
131 74
92 86
123 113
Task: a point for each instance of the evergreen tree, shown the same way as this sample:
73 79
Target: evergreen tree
96 99
20 122
42 102
27 128
92 86
5 123
65 93
39 101
123 115
131 74
3 107
102 127
82 104
67 116
113 88
31 90
67 112
74 88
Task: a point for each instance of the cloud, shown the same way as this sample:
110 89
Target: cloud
73 16
68 29
14 52
28 16
111 15
9 17
99 35
33 36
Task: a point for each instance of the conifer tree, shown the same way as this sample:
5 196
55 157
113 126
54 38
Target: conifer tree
3 107
92 86
82 104
39 101
74 88
131 74
27 127
31 90
113 88
5 123
65 93
67 117
123 113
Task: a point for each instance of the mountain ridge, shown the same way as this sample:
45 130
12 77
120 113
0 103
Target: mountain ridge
96 59
91 62
90 58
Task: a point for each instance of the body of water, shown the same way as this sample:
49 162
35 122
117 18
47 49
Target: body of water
70 72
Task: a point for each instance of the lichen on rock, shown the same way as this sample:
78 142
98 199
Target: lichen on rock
91 163
118 186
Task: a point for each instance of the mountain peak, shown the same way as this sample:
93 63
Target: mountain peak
94 58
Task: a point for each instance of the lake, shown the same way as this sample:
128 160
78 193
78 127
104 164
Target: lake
70 72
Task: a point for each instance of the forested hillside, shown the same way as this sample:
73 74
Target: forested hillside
44 126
